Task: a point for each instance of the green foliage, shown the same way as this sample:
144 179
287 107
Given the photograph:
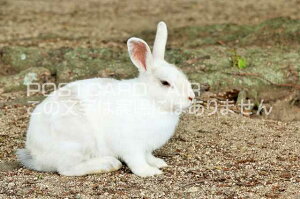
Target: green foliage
237 60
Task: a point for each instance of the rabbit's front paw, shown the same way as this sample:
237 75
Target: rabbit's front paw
156 162
147 172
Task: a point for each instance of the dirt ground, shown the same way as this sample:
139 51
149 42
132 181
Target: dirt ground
66 23
215 156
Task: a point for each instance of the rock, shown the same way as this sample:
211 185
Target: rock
287 109
25 78
192 189
275 31
267 68
21 58
86 63
9 166
241 97
67 64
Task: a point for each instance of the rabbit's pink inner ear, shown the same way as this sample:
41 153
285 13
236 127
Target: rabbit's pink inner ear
139 52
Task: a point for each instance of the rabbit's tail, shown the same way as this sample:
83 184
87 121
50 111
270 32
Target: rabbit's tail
25 158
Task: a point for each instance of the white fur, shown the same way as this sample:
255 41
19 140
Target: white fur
88 126
160 41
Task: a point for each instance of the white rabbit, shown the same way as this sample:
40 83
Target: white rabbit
89 126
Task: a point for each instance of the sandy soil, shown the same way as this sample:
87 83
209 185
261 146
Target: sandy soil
209 157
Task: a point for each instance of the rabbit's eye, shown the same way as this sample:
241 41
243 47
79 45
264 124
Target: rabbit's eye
165 83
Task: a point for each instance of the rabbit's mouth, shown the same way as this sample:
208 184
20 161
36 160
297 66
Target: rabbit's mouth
181 108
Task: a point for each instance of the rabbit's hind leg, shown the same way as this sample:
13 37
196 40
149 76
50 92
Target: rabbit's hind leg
138 165
156 162
92 166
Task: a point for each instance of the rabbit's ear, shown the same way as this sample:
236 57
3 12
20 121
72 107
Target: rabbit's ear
160 41
139 53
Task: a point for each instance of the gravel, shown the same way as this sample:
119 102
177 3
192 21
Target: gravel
217 156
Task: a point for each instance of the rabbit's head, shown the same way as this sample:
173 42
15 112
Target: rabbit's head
165 83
